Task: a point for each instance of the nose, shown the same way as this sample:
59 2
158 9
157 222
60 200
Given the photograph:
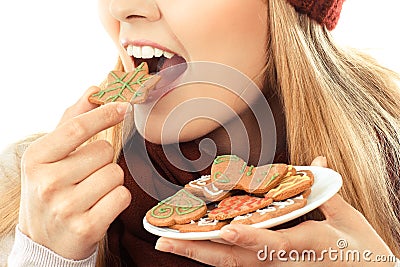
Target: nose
128 10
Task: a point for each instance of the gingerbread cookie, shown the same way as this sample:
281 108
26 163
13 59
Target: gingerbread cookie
126 86
229 172
196 186
275 209
203 187
266 177
284 188
226 171
181 208
213 194
205 224
238 205
306 173
291 186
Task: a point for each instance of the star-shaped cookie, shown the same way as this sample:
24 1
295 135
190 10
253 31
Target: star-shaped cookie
126 86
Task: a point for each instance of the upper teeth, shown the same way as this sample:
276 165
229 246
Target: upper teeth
147 52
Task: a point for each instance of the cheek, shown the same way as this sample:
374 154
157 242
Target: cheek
232 32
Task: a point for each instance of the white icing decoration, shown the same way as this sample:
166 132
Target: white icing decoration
299 197
266 210
283 204
201 182
215 191
207 222
242 217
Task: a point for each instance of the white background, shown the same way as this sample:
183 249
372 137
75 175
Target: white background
51 51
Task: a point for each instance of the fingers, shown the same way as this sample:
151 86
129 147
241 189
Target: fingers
81 106
82 162
336 209
320 161
104 212
221 241
98 185
208 252
301 236
71 134
252 238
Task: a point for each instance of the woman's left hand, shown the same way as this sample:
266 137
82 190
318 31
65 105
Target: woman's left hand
345 229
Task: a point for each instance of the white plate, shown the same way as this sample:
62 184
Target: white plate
326 184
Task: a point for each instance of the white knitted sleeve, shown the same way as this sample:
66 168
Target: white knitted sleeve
27 253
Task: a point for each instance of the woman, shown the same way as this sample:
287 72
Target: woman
325 101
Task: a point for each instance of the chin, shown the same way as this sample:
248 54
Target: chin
157 134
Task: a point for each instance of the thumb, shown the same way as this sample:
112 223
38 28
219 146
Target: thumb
336 208
320 161
81 106
333 207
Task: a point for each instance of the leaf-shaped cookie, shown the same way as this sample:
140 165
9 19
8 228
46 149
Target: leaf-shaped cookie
126 86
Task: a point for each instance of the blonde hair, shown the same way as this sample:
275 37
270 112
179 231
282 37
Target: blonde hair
338 103
343 105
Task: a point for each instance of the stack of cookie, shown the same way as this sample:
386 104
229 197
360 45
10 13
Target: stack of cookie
237 194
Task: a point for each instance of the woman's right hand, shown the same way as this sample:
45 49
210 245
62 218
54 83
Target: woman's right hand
70 192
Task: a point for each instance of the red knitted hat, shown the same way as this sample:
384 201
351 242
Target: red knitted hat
325 12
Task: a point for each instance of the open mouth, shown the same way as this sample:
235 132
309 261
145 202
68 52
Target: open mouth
157 59
168 65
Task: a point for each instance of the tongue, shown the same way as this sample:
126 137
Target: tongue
175 60
169 70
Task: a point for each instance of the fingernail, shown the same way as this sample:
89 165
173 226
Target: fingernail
124 108
229 234
164 246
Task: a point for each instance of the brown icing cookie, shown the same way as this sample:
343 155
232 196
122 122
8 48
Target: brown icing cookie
275 209
229 172
291 186
204 188
126 86
238 205
181 208
204 224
